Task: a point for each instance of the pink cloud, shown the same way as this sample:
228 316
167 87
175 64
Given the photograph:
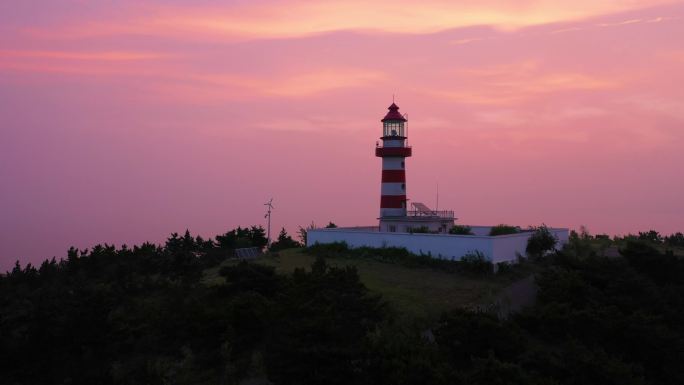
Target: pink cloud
280 19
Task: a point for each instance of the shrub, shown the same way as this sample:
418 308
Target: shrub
540 242
651 236
503 230
580 244
284 242
676 239
476 262
461 230
638 249
503 268
419 230
663 269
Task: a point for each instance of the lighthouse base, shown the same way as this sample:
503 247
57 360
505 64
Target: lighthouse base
500 248
416 224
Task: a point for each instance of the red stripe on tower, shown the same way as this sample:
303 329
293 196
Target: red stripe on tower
393 151
392 201
393 176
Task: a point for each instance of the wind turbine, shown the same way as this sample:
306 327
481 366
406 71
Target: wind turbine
268 215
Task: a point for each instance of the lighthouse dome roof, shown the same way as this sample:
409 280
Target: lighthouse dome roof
393 114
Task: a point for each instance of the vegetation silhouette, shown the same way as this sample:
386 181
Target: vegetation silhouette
461 230
144 315
503 229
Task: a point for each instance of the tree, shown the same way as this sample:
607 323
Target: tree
321 325
257 236
302 232
331 225
580 244
540 242
284 241
651 236
675 240
254 236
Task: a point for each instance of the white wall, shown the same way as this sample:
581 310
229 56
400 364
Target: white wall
502 248
391 188
393 142
392 163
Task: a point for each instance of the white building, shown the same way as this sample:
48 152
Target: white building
421 230
500 248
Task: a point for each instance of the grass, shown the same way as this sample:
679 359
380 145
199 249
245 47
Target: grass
421 293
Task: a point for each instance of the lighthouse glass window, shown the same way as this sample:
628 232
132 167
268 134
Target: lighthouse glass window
393 129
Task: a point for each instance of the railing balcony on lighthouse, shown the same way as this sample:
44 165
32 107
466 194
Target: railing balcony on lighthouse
441 214
404 151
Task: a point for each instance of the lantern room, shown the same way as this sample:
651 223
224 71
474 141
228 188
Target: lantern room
393 124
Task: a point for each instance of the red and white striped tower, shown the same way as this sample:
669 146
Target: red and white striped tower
393 152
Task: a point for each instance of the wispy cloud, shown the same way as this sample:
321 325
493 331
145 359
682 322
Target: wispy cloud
310 123
620 23
82 55
518 82
467 40
299 18
198 88
297 84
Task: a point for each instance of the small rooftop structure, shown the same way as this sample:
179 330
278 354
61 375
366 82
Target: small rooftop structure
421 210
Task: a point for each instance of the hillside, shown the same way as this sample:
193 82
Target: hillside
422 293
182 313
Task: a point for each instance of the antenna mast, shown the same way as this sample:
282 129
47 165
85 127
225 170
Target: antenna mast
268 215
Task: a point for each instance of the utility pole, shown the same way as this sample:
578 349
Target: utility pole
268 215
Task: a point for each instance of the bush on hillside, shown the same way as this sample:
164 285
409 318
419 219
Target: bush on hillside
662 268
283 242
651 236
476 262
675 240
145 315
540 242
471 263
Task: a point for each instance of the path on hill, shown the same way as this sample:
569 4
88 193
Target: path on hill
519 294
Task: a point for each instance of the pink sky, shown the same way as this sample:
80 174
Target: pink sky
124 121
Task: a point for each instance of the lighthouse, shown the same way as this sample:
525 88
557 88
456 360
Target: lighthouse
394 215
415 226
393 152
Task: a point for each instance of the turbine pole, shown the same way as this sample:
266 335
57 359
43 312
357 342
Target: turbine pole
268 215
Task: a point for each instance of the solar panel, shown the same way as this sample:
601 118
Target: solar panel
421 207
248 252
